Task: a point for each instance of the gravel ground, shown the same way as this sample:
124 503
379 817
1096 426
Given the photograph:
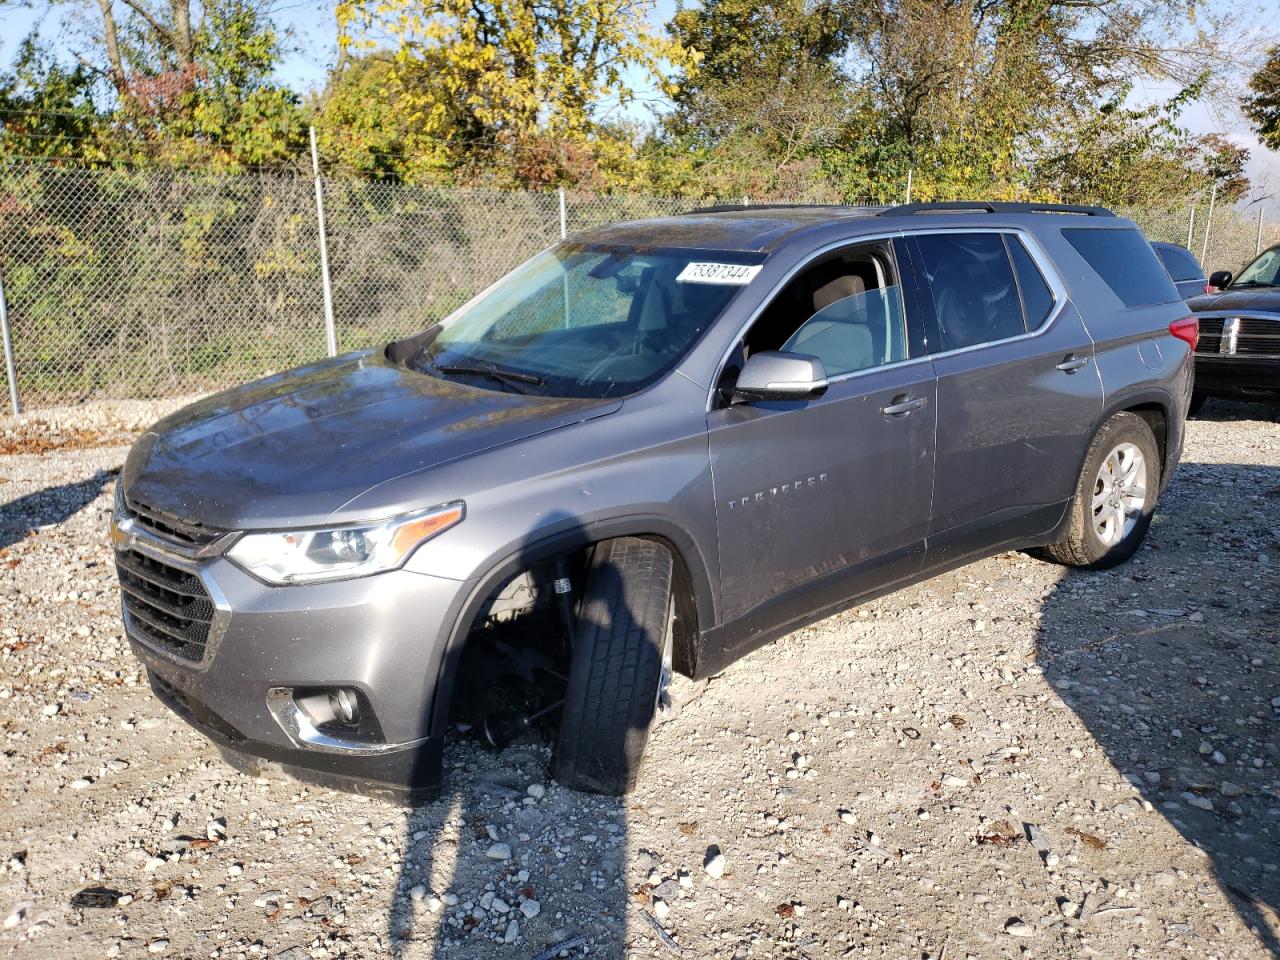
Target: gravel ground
1006 761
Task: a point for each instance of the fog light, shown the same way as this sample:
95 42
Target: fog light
345 705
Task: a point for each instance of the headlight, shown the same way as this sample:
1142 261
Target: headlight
304 556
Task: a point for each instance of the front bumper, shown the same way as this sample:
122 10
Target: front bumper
1238 376
385 635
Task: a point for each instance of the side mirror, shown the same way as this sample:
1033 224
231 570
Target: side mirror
1220 279
773 375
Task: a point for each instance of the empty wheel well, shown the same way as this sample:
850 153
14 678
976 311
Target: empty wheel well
1157 419
517 647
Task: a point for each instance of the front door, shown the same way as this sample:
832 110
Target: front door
823 499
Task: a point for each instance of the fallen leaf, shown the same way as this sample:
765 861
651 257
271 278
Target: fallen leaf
1002 834
1088 839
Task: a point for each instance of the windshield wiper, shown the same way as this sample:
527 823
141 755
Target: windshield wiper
491 371
1253 283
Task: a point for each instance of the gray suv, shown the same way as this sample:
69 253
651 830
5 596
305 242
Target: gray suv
650 449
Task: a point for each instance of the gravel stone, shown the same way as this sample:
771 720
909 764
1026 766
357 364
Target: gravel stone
1062 712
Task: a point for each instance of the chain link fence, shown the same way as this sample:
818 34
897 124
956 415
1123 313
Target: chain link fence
147 283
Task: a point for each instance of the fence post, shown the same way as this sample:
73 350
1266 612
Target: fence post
1191 224
564 219
746 201
1208 224
1257 246
9 367
331 336
910 172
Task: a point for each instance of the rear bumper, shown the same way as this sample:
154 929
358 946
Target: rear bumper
384 635
1238 376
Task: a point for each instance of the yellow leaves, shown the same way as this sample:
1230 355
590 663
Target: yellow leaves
513 68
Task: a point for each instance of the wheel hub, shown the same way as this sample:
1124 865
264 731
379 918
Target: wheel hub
1119 493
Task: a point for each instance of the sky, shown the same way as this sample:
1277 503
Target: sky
310 46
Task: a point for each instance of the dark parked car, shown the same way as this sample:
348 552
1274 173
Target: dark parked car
654 447
1183 267
1239 352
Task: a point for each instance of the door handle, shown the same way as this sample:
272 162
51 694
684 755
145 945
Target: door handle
1072 364
903 405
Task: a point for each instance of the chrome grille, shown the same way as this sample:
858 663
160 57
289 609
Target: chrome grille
1210 335
167 607
1258 337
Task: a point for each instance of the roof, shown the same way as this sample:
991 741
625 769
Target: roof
732 228
765 227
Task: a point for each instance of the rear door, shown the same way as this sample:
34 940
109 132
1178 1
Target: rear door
1018 396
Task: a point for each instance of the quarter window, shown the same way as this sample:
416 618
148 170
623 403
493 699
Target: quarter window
1126 263
975 295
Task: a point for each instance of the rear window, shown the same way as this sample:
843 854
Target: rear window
1180 263
975 296
1126 263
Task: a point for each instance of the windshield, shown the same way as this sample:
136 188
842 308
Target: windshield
582 322
1263 272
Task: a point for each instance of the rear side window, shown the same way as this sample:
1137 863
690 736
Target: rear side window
974 293
1180 263
1126 263
1037 298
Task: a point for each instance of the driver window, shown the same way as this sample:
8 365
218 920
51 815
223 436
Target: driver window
846 310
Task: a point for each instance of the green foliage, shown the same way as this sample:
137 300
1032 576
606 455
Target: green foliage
800 99
46 110
221 109
1262 105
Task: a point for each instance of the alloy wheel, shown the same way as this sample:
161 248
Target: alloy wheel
1119 493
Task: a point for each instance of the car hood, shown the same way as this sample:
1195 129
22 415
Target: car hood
1263 298
291 449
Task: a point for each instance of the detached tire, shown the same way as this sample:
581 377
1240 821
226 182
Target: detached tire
1115 496
624 628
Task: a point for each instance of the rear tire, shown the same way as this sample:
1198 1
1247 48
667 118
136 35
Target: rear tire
1115 496
624 629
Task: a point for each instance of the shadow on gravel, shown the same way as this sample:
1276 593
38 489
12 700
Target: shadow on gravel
508 865
1225 410
1171 662
49 506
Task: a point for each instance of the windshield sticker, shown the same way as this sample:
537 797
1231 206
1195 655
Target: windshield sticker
732 273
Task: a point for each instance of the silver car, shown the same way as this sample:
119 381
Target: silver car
650 449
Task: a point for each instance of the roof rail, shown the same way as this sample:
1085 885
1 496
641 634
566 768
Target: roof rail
994 206
736 207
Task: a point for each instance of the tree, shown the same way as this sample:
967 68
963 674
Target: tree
1262 107
46 110
1000 98
1222 162
1123 157
501 77
156 85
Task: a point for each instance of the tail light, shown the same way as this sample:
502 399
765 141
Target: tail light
1188 329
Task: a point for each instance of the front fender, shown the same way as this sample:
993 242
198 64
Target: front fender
568 535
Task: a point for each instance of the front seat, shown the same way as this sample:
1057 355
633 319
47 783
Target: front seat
838 333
